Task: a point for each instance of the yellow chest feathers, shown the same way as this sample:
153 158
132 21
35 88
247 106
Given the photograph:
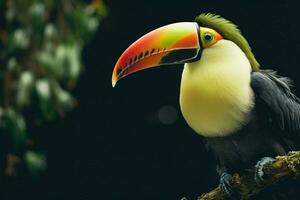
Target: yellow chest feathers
215 94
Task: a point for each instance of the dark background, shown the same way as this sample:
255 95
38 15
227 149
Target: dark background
113 146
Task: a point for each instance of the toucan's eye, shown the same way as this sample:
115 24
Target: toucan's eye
208 37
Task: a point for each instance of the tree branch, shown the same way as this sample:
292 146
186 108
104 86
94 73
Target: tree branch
283 167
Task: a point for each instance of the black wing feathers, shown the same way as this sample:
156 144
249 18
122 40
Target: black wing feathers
274 92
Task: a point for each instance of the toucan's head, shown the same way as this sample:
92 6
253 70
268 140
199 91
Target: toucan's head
215 94
178 43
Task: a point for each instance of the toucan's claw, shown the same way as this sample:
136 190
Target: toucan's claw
258 169
225 183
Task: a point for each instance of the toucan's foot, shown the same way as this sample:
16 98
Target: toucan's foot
258 170
225 183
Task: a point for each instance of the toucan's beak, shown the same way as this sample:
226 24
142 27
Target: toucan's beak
172 44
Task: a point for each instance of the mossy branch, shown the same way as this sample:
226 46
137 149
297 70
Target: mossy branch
283 167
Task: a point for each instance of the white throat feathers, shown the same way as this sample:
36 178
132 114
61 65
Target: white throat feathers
215 95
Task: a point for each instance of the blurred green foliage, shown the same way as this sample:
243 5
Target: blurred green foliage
40 63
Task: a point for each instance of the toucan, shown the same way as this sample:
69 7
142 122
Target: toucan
246 115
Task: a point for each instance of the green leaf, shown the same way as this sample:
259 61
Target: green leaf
37 10
46 59
21 39
36 162
75 67
50 32
67 62
10 14
14 124
64 100
84 21
25 86
38 17
44 94
12 64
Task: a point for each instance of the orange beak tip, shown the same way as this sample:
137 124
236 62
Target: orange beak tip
113 83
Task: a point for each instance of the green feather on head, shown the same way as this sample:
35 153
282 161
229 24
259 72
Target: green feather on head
229 31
